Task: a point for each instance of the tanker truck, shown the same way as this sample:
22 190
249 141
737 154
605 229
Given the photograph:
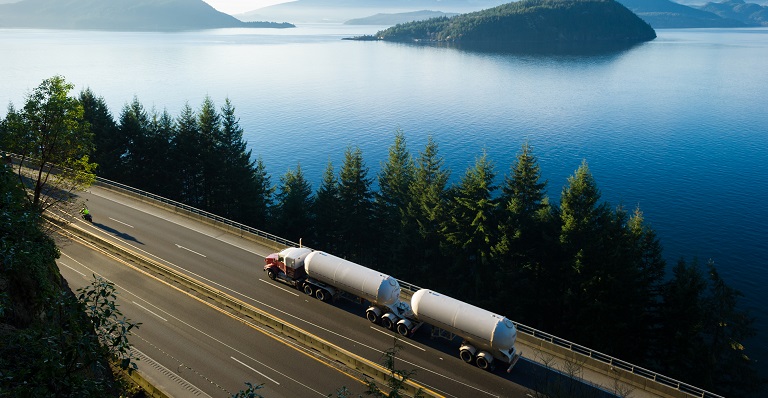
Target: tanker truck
487 337
327 277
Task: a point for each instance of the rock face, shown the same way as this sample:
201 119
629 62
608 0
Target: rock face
144 15
532 22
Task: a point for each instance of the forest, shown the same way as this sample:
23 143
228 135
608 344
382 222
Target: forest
579 267
531 21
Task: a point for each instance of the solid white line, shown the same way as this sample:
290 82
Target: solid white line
127 225
279 287
72 269
182 247
145 309
265 376
398 339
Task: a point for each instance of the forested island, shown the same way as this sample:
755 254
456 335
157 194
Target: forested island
530 22
125 15
579 268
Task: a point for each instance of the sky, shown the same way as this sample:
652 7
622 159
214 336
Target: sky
240 6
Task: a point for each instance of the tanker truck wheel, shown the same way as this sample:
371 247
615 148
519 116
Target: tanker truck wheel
271 274
372 315
322 295
485 363
467 354
387 323
308 289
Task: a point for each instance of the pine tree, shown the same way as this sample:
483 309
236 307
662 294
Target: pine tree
211 157
260 198
187 152
326 212
527 245
293 210
133 128
356 205
108 145
426 211
392 199
470 230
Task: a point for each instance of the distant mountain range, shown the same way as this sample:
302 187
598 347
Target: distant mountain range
403 17
343 10
128 15
727 14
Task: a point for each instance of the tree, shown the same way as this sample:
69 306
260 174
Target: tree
391 203
356 204
132 163
187 153
54 141
293 212
326 212
426 210
527 244
108 144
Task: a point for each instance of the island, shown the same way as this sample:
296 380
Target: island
121 15
530 23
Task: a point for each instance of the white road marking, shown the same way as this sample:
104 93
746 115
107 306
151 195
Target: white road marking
398 339
145 309
281 288
262 374
127 225
182 247
73 269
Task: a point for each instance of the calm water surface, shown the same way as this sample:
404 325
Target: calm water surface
678 126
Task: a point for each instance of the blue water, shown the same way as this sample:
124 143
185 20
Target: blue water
678 126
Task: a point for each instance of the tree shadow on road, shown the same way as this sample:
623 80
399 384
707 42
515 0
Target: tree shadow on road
121 235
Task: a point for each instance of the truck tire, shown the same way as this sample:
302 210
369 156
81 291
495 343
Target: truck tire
271 274
403 329
466 356
308 289
483 363
372 316
322 295
387 323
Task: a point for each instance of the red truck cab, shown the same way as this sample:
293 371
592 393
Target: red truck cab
287 264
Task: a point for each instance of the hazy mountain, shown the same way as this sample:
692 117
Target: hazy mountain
701 3
561 24
749 13
394 19
668 14
344 10
118 15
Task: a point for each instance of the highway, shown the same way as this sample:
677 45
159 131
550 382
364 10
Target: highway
217 353
202 351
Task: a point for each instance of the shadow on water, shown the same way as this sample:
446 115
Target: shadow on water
117 233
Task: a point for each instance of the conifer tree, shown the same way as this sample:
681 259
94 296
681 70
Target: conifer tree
426 210
470 230
211 156
108 144
293 210
392 199
260 200
356 205
326 212
186 155
133 127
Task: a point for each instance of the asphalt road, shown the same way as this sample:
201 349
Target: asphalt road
235 265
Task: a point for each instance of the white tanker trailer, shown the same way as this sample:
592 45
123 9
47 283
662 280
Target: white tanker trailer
487 336
326 276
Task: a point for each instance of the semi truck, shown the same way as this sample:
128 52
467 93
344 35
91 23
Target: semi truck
487 338
327 277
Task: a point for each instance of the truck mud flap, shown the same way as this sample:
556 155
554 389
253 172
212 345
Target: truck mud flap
514 361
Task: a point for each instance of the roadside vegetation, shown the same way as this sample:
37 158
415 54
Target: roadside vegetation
579 268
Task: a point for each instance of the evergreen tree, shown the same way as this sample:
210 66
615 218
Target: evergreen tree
187 153
356 205
392 199
293 211
470 230
326 211
161 177
426 211
108 145
211 156
260 199
527 245
134 129
240 184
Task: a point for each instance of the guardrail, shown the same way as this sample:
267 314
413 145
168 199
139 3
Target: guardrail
557 341
538 334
